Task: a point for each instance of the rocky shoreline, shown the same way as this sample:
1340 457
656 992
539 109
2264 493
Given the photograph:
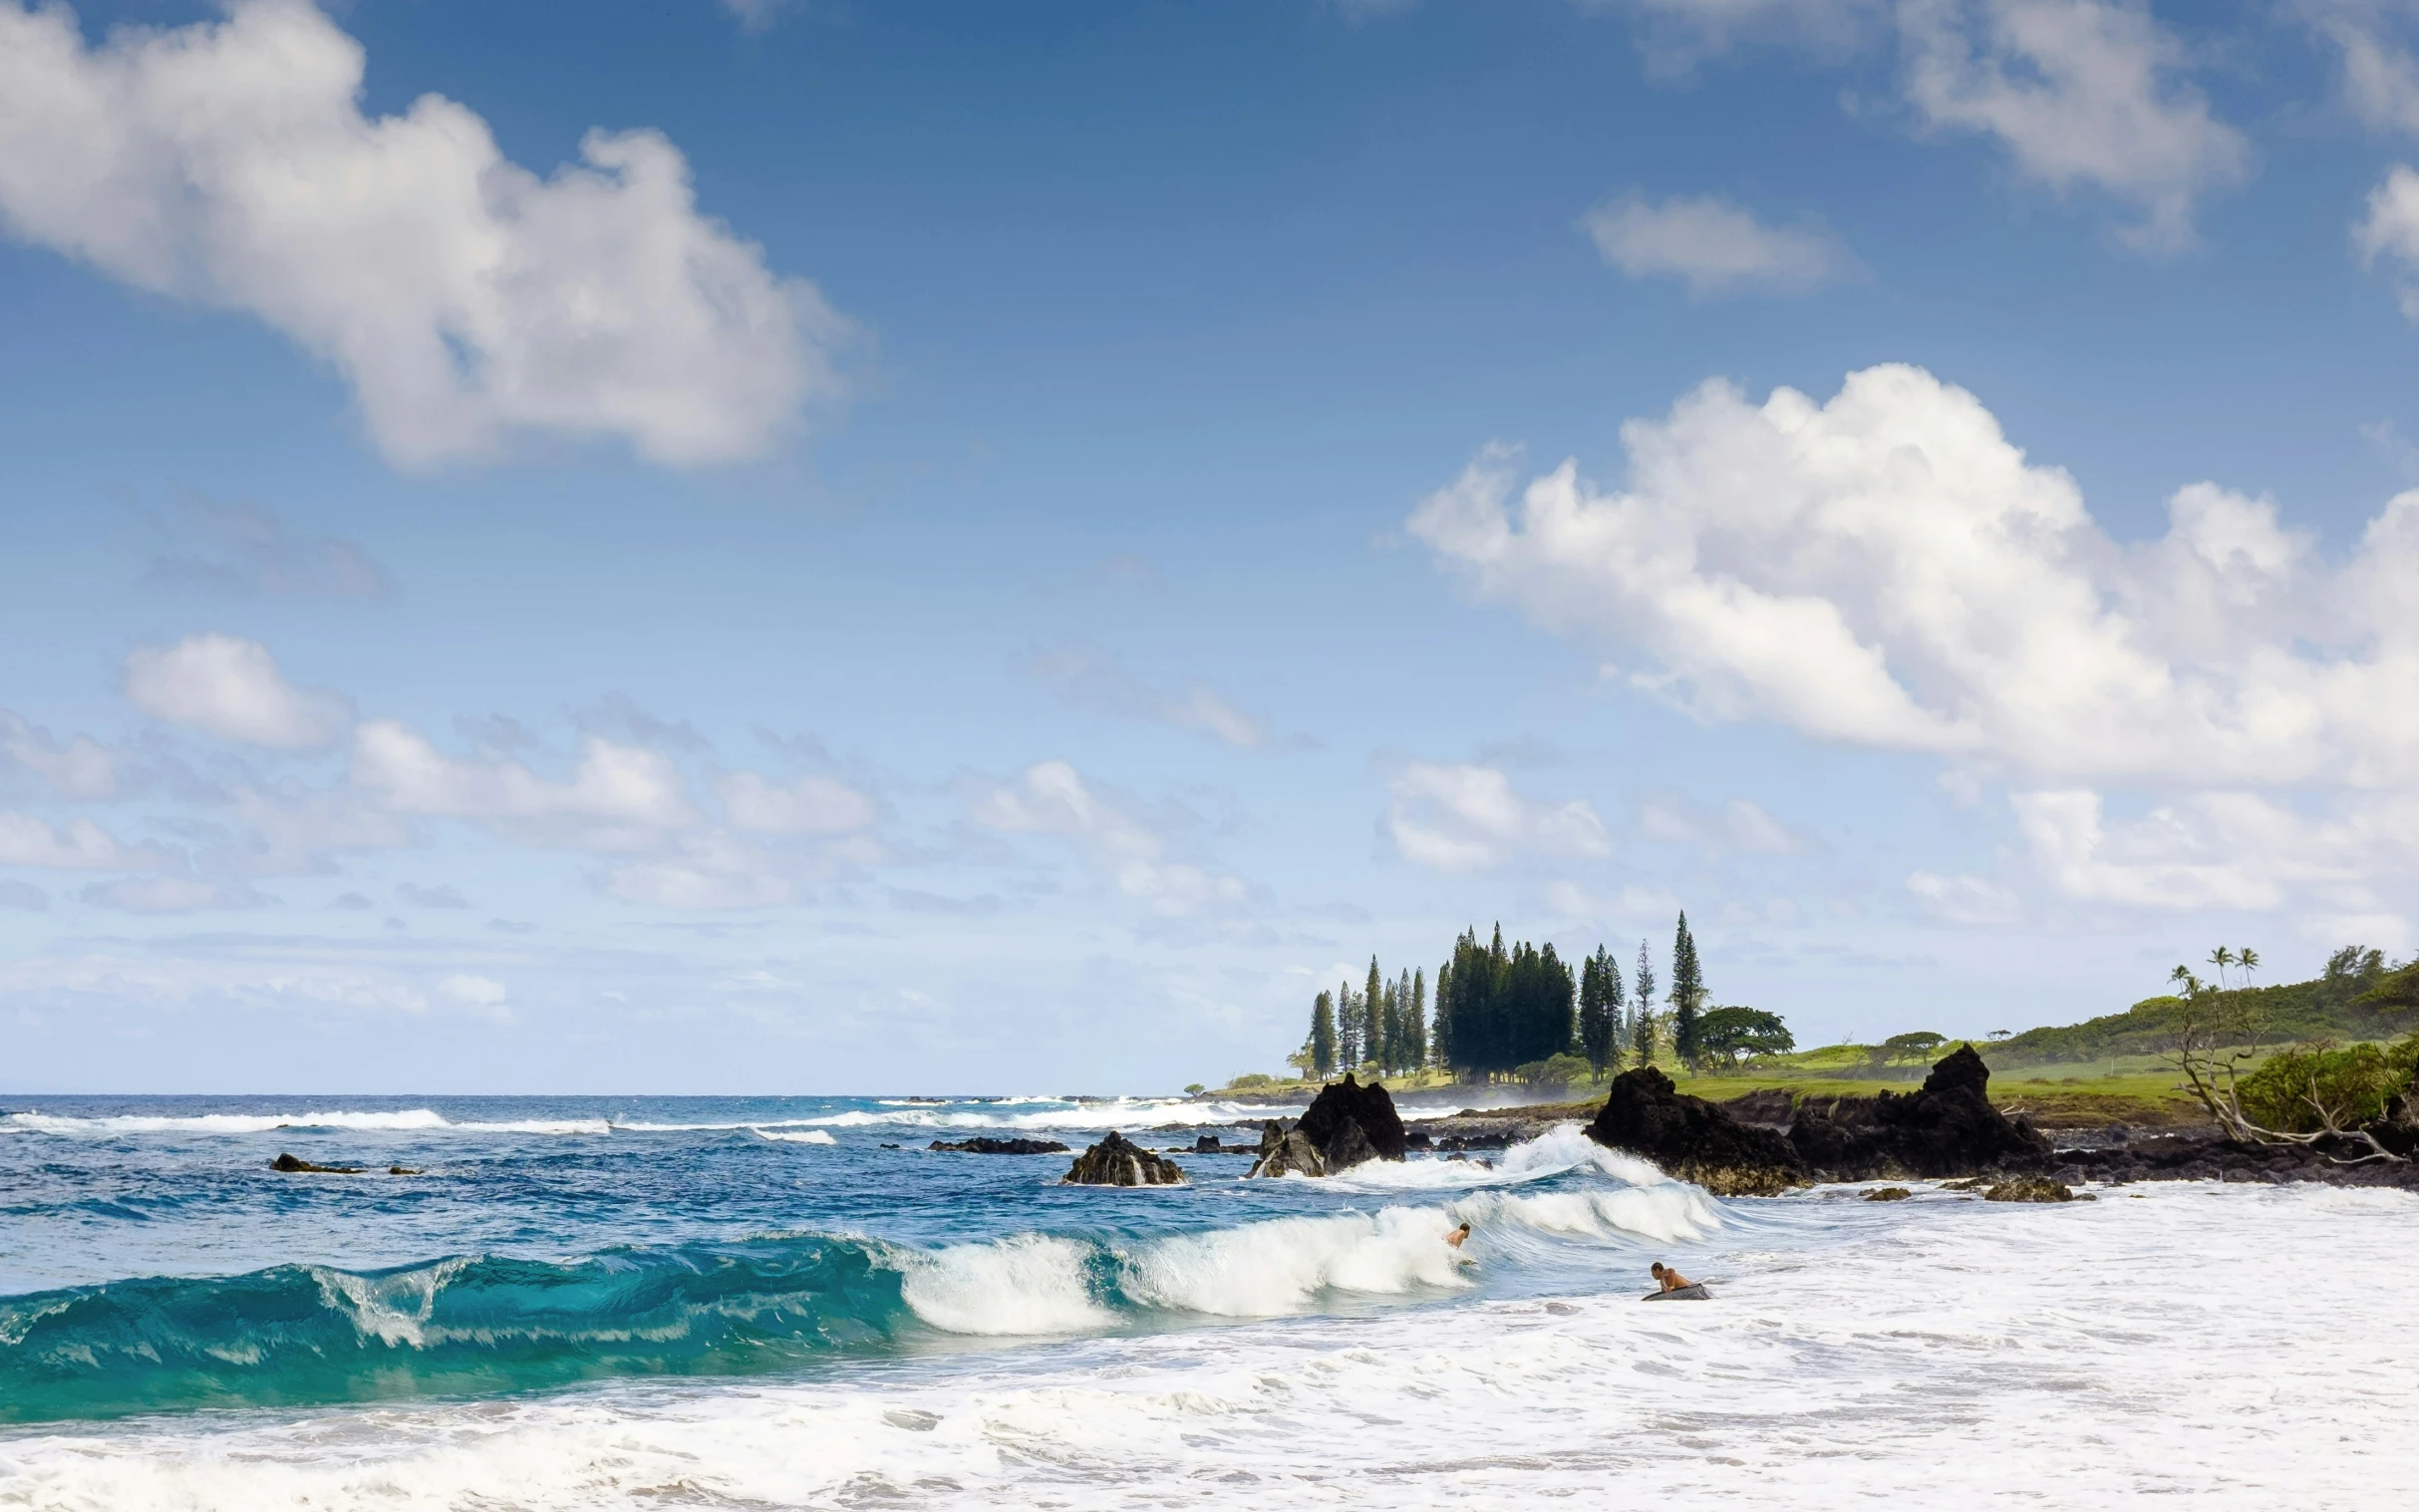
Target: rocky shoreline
1769 1141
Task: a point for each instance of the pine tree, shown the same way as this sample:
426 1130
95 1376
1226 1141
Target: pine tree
1642 1017
1599 1011
1415 1023
1323 1038
1373 1008
1348 1028
1687 996
1440 1027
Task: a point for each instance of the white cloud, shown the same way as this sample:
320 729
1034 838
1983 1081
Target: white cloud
1053 798
1965 898
1202 710
2380 76
462 297
1742 826
77 845
76 768
1714 246
810 805
1468 818
2391 231
24 895
291 830
1633 906
2082 93
703 872
618 797
472 990
1888 570
226 685
170 895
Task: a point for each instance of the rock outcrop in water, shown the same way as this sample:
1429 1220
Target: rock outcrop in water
2029 1189
1948 1128
1346 1125
1115 1161
1690 1139
292 1163
984 1144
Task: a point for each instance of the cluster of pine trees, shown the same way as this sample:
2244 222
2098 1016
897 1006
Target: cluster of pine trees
1384 1025
1501 1011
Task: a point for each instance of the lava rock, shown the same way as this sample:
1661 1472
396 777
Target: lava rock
1888 1194
2029 1189
1115 1161
985 1145
1344 1107
1690 1139
1949 1128
294 1163
1347 1124
1287 1152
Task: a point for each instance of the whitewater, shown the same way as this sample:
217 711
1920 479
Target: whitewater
789 1302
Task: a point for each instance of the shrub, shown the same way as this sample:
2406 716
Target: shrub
2285 1092
1251 1080
1554 1071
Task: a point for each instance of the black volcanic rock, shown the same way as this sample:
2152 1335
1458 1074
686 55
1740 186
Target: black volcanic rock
1286 1151
291 1163
1948 1128
984 1144
1115 1161
1690 1139
1345 1106
1346 1125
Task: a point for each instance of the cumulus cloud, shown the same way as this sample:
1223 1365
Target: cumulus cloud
170 895
2082 93
1053 798
2390 230
1887 569
809 805
1468 818
1714 246
617 798
80 767
77 845
463 298
226 685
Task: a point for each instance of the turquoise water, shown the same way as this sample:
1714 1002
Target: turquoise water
151 1260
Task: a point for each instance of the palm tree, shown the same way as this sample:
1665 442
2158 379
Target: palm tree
2249 960
2180 976
2221 958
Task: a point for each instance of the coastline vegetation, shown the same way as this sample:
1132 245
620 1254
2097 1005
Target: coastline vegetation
1520 1015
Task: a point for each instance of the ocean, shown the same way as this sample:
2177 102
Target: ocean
773 1303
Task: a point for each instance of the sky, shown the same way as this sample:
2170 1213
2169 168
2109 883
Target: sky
912 546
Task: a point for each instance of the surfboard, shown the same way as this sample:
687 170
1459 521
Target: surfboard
1696 1292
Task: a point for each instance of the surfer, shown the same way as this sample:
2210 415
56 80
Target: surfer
1670 1278
1457 1236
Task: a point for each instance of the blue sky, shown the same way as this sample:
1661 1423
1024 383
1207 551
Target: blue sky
1002 546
